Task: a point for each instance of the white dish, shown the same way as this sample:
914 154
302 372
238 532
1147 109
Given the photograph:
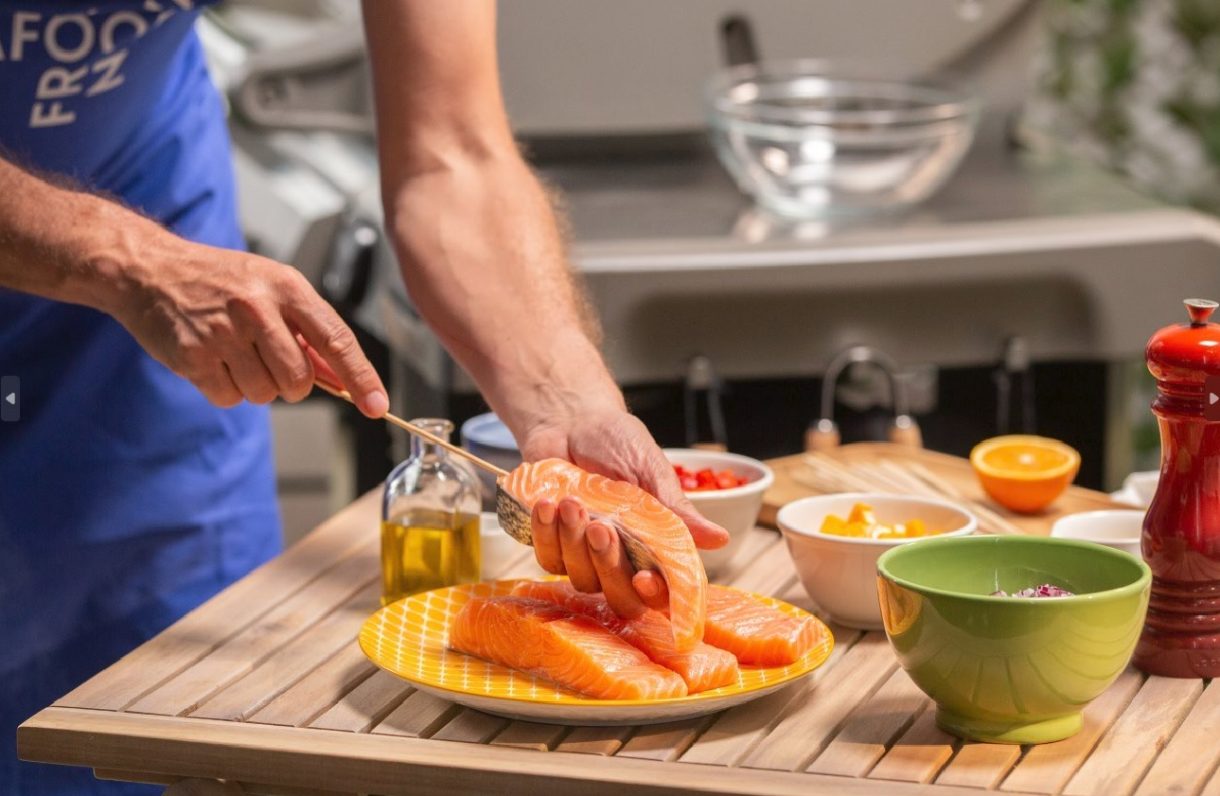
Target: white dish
840 572
736 509
487 437
1138 489
495 546
1117 528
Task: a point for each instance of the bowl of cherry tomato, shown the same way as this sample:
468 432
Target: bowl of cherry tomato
727 488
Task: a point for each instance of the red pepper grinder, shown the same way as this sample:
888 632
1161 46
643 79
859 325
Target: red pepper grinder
1181 540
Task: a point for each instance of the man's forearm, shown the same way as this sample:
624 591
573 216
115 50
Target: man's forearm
66 244
485 262
482 253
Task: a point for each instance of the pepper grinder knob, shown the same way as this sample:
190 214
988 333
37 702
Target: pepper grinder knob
1200 310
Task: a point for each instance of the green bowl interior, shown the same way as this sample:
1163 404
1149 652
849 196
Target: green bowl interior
979 565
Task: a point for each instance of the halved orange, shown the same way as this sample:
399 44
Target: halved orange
1022 472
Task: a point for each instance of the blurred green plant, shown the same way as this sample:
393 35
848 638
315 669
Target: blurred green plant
1135 85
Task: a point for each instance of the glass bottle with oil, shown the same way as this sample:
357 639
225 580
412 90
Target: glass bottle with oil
430 520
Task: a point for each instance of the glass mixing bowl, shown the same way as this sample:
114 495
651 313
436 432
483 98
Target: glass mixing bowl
806 138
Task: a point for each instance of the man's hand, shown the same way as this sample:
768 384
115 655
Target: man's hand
615 444
232 323
235 324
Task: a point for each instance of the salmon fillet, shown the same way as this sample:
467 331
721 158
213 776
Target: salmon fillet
572 650
652 535
756 633
702 669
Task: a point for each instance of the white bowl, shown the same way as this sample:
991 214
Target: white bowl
1139 488
840 572
735 509
487 437
495 546
1117 528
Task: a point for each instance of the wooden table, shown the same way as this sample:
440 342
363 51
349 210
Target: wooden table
264 686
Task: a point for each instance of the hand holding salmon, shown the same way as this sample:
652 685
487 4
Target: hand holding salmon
574 638
652 535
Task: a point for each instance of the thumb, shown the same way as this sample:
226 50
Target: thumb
707 534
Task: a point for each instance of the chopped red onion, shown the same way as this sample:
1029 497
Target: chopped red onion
1045 590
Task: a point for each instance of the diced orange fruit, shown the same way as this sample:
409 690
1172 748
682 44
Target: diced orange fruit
862 522
1024 473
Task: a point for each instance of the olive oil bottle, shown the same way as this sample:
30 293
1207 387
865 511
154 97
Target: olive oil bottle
430 520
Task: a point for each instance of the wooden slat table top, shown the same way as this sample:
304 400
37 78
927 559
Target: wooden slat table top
264 686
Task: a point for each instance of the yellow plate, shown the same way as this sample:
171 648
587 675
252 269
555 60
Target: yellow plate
407 638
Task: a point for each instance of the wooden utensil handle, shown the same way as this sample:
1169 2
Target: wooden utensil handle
822 436
339 392
905 431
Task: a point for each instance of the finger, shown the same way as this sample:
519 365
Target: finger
336 344
218 387
707 534
572 521
546 537
288 365
613 570
250 374
650 585
322 371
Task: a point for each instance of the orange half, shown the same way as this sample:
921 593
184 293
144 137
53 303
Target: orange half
1024 473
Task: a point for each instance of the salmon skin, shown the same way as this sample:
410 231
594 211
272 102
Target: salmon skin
702 669
572 650
756 633
653 536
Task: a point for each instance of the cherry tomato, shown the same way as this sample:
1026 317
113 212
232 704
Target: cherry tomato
707 479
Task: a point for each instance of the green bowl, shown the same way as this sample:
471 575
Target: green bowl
1011 669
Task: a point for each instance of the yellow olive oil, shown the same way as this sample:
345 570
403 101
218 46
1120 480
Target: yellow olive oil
427 549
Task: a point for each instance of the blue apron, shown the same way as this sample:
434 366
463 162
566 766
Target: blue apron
126 499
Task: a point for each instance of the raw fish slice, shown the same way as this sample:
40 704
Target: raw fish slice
653 536
756 633
572 650
703 668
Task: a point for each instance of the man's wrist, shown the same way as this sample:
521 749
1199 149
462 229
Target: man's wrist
69 245
109 254
567 380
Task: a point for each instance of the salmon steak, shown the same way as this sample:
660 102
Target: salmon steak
703 668
550 641
756 633
652 535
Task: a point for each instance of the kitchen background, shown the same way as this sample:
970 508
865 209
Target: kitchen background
1019 292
